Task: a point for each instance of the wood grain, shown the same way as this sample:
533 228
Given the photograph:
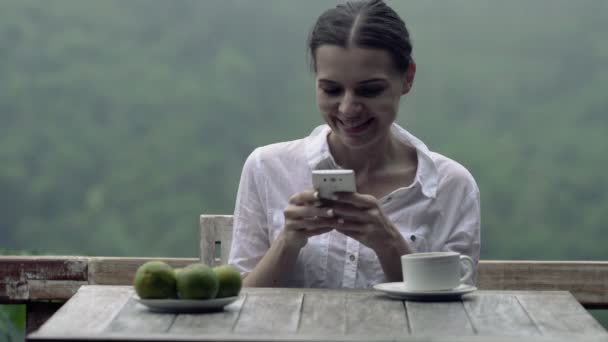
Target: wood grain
209 323
104 312
134 317
277 312
371 314
438 318
499 314
120 271
27 278
323 313
586 280
559 315
90 310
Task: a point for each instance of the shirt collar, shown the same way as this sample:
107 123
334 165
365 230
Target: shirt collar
319 156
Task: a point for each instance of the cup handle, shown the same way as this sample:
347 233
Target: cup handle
465 259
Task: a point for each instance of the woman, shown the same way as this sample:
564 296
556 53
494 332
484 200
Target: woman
408 198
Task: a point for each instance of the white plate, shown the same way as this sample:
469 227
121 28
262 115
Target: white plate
186 305
397 290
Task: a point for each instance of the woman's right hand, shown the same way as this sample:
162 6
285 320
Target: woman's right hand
305 216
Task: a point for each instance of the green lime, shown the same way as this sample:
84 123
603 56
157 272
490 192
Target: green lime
155 280
229 279
197 281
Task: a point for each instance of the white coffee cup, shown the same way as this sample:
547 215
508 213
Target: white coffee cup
435 271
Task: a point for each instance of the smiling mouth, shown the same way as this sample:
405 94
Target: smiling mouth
355 128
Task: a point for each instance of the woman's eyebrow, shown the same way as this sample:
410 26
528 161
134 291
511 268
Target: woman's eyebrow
323 80
373 80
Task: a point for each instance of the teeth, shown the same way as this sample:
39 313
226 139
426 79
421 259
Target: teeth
352 124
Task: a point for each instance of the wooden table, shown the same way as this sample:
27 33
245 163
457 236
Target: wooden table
111 313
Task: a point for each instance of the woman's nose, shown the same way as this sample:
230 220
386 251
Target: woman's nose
349 104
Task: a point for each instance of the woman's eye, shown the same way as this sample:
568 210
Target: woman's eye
370 91
332 91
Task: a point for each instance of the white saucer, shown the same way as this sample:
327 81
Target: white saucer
397 290
186 305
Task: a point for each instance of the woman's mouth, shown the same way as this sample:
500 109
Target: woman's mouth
355 126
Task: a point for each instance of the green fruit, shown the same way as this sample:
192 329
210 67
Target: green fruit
229 279
197 281
155 280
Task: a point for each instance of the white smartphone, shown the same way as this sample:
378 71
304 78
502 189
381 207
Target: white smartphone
329 181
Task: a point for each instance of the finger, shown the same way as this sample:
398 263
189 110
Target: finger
310 224
304 197
356 199
351 213
308 212
350 226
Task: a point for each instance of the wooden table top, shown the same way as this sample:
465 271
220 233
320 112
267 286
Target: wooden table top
262 314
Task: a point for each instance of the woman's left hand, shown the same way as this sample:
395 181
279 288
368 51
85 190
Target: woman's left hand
360 217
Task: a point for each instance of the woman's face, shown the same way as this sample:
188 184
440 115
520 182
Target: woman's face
358 92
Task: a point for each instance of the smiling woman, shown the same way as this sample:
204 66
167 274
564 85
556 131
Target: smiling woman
408 199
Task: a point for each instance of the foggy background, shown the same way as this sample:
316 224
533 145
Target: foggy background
121 121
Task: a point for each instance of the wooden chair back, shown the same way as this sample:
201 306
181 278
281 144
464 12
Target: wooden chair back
216 237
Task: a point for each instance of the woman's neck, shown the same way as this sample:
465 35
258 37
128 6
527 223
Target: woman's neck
369 159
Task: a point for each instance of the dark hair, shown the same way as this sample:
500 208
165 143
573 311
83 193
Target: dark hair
370 24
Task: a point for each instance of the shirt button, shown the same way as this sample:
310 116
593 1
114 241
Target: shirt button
352 257
413 237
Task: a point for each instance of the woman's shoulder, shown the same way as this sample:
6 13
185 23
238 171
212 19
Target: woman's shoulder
451 173
296 152
291 151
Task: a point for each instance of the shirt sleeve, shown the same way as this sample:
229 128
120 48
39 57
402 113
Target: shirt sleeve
465 235
250 239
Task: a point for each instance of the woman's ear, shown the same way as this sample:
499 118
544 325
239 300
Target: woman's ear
408 77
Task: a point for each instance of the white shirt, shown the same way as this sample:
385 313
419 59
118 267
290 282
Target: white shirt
439 211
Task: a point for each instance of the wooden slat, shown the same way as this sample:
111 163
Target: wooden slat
209 323
291 338
559 316
134 317
52 289
370 314
274 314
45 267
499 314
281 312
120 271
216 233
323 313
28 278
438 318
91 309
586 280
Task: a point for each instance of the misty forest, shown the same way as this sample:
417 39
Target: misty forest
122 121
